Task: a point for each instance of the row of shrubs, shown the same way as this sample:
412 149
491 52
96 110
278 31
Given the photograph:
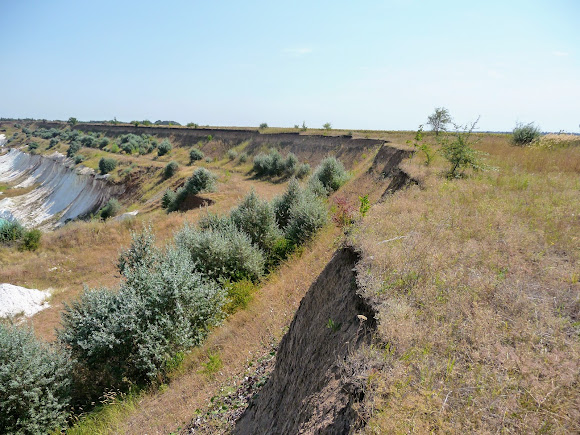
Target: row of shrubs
274 164
167 302
127 143
12 232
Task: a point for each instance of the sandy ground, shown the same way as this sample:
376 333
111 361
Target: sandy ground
16 300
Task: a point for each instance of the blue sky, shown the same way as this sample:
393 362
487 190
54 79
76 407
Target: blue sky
358 65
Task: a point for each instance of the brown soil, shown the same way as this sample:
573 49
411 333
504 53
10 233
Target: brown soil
311 389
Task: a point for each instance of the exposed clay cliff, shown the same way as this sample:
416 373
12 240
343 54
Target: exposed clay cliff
312 388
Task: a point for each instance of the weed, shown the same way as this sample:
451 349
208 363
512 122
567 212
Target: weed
213 365
365 205
332 325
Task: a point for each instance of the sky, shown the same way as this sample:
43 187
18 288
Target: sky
381 65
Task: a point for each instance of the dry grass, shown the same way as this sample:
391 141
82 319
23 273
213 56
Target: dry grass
478 284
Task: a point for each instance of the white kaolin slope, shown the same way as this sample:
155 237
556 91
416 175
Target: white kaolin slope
15 300
62 192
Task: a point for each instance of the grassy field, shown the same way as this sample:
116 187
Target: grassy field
478 285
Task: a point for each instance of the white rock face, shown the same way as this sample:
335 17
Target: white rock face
20 300
3 140
63 192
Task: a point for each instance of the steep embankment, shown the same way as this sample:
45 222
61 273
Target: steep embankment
309 148
61 192
314 387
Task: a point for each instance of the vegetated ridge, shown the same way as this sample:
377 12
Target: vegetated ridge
311 148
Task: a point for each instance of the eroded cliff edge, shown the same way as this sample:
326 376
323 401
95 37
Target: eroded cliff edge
315 386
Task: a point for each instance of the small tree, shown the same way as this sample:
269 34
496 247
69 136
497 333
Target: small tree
439 120
263 125
525 134
459 152
327 126
73 121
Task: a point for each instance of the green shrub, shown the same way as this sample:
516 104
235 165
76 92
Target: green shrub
34 383
459 152
261 165
525 134
164 147
133 143
202 180
283 204
232 154
88 141
271 164
107 165
211 221
256 218
291 164
110 209
280 251
79 158
168 198
31 240
73 148
317 188
243 157
263 125
32 146
306 218
11 231
303 171
132 336
331 174
222 254
195 155
170 169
